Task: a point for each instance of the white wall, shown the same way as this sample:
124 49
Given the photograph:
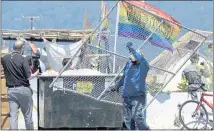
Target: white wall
161 113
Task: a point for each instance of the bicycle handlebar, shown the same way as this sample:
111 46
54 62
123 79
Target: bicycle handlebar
202 87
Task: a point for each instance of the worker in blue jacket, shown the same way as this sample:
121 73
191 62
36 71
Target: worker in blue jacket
133 82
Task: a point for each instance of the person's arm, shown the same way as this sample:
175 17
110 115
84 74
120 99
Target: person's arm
137 56
140 58
34 75
120 82
133 52
27 71
204 69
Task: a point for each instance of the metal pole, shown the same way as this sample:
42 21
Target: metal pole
164 18
31 23
31 18
128 58
115 37
198 53
100 33
173 76
124 66
101 18
84 41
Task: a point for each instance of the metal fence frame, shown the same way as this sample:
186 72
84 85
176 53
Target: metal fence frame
173 74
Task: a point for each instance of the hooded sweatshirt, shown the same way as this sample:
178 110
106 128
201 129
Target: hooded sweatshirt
133 80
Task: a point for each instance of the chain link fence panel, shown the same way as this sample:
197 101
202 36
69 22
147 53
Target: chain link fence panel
104 55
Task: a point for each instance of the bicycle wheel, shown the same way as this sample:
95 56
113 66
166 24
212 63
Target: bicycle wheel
200 114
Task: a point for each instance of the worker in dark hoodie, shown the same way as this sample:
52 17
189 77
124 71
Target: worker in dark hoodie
133 82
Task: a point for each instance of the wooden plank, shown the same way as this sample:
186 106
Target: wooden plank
4 98
5 122
2 71
4 106
38 39
62 35
3 86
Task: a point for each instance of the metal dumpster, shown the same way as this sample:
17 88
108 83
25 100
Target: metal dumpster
62 107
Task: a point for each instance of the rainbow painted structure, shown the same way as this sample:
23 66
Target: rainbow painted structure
138 24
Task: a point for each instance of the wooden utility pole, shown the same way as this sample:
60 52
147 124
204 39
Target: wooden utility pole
32 19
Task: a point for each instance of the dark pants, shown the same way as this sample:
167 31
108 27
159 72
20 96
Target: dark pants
20 97
133 115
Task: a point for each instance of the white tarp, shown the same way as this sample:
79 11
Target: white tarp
56 53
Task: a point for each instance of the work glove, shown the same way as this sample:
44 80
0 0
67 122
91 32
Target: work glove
202 63
129 45
114 88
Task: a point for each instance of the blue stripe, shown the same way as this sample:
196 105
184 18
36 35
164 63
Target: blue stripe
129 30
136 31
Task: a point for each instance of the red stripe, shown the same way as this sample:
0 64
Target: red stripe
153 9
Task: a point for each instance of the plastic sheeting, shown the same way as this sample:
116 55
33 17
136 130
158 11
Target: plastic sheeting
56 53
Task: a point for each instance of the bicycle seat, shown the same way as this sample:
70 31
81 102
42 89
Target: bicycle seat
192 88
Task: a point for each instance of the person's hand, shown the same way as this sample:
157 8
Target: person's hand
129 45
37 72
114 88
202 63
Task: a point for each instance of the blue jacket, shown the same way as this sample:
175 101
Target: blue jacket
133 80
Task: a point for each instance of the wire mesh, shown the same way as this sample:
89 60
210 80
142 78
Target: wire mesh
98 53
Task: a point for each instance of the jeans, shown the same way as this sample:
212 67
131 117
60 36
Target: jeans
133 115
20 97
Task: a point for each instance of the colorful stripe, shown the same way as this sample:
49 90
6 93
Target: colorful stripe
136 23
132 31
154 10
106 21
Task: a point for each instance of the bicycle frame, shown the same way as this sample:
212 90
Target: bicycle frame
202 99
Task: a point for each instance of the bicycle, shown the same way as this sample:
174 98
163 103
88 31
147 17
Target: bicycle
199 108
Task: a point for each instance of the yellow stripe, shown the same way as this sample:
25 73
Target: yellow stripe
122 10
151 21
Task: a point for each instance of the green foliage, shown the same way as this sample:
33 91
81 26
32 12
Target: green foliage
182 87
